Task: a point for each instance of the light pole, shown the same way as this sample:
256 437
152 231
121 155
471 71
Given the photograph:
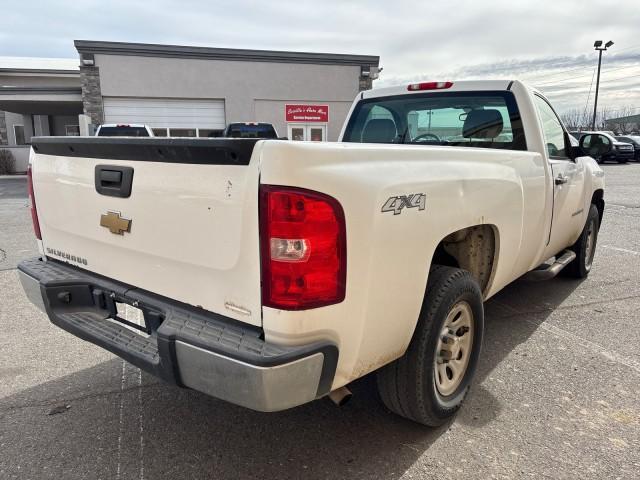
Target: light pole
598 46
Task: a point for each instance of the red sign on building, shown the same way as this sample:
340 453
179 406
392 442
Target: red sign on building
307 113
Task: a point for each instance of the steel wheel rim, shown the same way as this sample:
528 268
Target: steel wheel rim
589 249
453 349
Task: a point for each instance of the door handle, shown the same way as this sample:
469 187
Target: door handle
113 180
560 179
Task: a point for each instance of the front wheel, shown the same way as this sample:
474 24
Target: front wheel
585 246
430 381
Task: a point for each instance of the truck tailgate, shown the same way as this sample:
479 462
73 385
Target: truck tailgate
187 231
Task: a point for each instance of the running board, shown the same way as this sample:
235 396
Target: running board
552 270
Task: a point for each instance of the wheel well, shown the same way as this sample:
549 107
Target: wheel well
598 200
471 248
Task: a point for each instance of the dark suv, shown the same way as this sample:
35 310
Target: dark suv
621 152
633 140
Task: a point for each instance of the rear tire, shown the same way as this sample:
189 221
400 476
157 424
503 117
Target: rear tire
585 246
430 381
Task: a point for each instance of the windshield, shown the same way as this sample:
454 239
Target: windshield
242 130
469 119
123 131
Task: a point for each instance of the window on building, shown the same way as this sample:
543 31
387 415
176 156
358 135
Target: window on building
72 130
159 132
207 132
187 132
182 132
18 134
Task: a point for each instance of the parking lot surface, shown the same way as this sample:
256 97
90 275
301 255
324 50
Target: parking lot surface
557 393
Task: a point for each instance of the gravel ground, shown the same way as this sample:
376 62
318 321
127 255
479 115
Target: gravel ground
557 393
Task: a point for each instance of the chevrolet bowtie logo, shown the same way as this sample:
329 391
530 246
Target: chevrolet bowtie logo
115 223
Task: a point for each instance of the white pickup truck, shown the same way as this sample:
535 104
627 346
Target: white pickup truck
271 273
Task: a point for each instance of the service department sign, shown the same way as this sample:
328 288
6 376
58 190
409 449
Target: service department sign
307 113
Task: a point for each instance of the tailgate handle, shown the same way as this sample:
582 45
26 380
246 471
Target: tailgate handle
113 180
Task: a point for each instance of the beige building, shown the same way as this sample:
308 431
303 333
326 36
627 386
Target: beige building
178 91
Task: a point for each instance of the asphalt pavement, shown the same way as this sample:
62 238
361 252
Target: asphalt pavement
557 394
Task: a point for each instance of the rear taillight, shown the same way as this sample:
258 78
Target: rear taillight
32 199
429 86
303 248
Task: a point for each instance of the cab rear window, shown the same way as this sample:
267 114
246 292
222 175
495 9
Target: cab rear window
123 132
463 119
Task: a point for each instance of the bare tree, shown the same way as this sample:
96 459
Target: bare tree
601 118
623 123
575 119
606 119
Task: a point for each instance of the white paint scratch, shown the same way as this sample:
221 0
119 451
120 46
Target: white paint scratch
141 424
140 413
594 347
618 249
121 422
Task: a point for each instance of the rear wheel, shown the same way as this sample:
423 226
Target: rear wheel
585 246
429 383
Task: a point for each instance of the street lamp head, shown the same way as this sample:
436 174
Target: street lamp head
608 44
597 43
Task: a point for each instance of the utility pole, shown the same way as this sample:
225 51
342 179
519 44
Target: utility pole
598 46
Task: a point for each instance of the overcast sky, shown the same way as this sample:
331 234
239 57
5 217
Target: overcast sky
548 43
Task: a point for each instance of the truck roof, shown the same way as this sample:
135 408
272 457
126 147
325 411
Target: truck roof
456 86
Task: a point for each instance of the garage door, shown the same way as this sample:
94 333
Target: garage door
164 112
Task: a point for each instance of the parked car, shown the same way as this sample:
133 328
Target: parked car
633 140
621 152
575 134
272 273
123 130
250 130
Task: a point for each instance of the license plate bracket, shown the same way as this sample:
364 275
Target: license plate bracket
131 316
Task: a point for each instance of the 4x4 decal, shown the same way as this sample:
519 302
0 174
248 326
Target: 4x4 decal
396 204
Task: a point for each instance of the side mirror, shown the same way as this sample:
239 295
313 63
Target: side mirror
595 145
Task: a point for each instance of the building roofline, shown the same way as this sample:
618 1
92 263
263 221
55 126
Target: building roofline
48 71
628 118
39 65
40 90
229 54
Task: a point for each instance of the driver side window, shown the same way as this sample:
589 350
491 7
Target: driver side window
554 137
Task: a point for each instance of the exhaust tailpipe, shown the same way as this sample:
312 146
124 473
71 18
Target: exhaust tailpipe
340 396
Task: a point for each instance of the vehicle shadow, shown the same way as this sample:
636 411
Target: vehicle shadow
124 424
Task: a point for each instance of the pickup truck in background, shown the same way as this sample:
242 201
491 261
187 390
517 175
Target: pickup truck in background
272 273
123 130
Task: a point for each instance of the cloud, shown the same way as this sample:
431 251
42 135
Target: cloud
539 41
